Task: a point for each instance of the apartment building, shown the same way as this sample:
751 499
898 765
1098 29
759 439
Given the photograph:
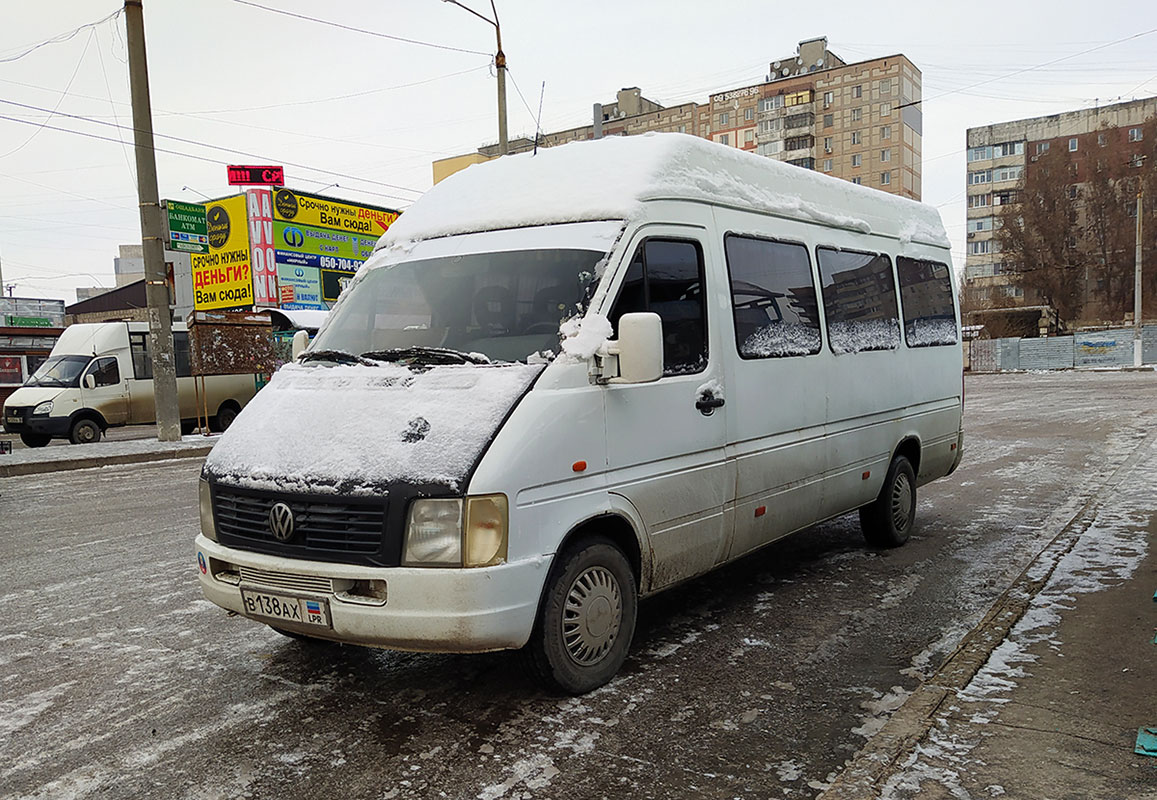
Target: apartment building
860 122
998 156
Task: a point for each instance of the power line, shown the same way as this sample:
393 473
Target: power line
360 30
61 37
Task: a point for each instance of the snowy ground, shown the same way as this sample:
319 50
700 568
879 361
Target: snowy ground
762 680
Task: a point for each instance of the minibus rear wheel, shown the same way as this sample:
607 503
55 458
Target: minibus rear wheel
585 620
889 519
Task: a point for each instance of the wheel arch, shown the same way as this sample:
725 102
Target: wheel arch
909 447
87 413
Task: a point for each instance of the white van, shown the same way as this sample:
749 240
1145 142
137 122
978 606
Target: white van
748 348
100 375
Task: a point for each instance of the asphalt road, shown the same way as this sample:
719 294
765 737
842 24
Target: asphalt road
761 680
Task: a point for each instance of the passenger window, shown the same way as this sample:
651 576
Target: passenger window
181 353
773 298
105 371
666 277
142 362
859 301
926 299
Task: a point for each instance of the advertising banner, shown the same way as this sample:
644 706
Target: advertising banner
300 287
333 283
307 246
260 203
325 212
222 278
187 227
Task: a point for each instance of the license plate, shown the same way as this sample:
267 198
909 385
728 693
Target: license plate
13 420
287 608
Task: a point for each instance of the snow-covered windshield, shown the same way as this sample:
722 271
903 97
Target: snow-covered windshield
505 305
59 371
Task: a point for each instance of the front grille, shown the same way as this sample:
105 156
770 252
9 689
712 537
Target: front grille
18 412
285 580
332 529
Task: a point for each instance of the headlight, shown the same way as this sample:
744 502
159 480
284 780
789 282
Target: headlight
43 409
208 528
438 533
434 533
485 530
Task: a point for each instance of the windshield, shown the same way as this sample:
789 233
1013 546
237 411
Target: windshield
59 371
506 306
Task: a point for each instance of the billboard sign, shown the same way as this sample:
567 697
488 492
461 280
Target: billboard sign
325 212
260 203
256 176
222 278
187 227
333 283
300 286
306 245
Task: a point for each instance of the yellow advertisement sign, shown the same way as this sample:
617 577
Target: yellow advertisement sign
222 278
325 212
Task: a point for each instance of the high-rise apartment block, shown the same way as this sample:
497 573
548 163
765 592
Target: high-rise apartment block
860 122
998 156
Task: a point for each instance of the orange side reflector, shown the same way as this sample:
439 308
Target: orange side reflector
759 512
579 466
866 475
953 446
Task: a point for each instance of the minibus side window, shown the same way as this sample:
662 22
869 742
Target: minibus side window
773 298
142 363
859 293
666 277
105 372
926 298
181 353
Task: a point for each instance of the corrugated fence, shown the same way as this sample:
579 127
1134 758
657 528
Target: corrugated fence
1111 348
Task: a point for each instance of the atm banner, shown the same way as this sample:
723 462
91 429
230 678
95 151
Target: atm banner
222 278
325 212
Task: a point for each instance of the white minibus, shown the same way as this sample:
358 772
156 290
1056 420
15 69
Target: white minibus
100 375
569 380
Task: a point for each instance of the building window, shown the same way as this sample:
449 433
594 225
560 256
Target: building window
885 109
980 176
770 125
1005 197
1072 191
828 98
1134 134
979 248
885 178
771 103
857 160
857 114
857 181
827 144
1101 139
886 86
979 200
682 129
829 120
827 165
1007 173
1073 145
856 137
798 143
1137 160
979 153
886 155
749 136
886 132
725 139
857 91
1007 149
1042 147
724 119
748 114
980 224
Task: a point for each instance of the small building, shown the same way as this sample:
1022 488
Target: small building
29 328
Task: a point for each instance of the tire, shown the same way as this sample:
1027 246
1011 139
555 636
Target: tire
586 619
889 520
225 416
84 431
35 439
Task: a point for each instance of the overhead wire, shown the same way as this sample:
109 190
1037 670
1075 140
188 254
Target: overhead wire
61 37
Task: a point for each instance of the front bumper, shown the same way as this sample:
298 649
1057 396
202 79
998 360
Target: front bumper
21 420
427 609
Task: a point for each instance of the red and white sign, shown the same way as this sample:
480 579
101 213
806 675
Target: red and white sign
256 176
260 202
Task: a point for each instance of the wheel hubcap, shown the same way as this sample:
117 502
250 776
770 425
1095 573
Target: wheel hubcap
592 616
901 501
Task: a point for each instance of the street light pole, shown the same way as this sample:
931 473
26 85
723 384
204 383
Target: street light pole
1137 330
500 65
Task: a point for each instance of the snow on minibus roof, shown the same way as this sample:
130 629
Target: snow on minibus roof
612 178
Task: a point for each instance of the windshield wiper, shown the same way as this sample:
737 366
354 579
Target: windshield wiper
418 354
336 356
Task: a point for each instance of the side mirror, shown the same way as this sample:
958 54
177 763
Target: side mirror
90 381
639 347
300 342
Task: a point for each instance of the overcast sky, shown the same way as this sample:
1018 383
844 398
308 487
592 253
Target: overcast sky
371 113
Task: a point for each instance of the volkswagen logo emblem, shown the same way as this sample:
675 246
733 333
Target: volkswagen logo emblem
281 522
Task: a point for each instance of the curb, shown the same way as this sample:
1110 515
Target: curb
87 462
882 756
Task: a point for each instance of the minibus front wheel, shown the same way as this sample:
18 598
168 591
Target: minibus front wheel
889 519
586 618
35 439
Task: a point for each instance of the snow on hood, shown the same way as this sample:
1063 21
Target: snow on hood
611 179
353 429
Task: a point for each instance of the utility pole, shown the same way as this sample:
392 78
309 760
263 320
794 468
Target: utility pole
152 229
500 65
1138 342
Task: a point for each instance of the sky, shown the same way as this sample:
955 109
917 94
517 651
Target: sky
361 116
